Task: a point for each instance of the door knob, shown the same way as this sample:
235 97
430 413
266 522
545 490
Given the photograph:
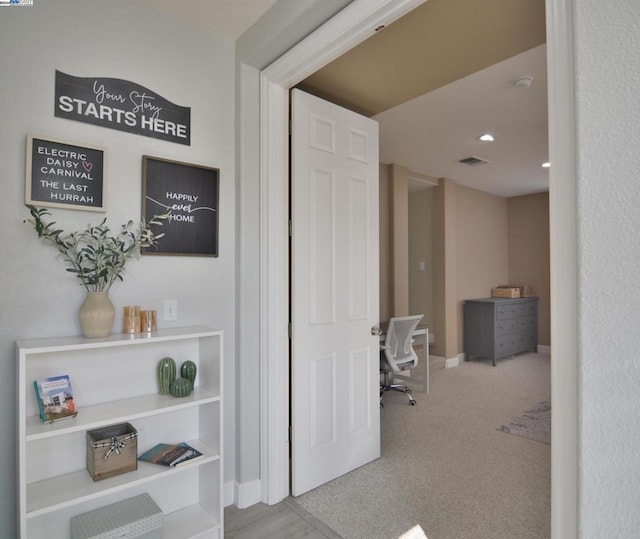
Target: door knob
375 330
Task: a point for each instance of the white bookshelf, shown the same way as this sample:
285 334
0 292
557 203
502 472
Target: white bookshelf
114 381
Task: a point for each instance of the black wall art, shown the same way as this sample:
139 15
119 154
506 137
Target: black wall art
190 193
61 174
122 105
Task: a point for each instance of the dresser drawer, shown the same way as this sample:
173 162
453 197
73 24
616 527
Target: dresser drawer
522 308
514 310
527 323
526 341
505 312
504 327
506 345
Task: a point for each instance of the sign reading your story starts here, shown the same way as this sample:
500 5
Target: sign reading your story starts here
122 105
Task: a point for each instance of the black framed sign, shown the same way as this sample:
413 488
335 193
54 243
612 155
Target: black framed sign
61 174
122 105
190 193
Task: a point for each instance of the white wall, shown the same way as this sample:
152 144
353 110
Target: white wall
607 45
123 40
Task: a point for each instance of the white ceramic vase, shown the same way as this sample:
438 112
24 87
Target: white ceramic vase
97 315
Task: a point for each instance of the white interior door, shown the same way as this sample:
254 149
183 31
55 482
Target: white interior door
335 410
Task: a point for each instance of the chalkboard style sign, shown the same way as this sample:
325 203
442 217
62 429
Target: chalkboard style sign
122 105
64 175
190 193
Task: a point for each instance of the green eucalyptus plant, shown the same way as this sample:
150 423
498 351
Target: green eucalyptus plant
95 257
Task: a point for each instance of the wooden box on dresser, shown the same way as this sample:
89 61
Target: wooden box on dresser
500 327
114 381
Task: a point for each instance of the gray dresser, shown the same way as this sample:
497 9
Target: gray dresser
500 327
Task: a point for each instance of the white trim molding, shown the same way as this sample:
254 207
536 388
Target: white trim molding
564 271
448 363
229 493
242 495
455 361
274 291
349 27
248 494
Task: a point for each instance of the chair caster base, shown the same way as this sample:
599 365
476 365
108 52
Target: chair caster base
400 388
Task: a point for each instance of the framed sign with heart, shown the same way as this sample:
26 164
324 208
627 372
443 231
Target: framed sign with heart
61 174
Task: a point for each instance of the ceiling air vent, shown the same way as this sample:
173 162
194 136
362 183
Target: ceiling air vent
472 161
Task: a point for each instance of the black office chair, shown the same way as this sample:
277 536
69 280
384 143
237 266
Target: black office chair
397 354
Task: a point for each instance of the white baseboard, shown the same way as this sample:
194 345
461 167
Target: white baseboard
242 495
249 493
443 362
229 493
451 362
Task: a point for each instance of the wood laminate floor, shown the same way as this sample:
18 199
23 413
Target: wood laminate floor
284 520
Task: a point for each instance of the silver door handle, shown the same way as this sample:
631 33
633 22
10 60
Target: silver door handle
375 330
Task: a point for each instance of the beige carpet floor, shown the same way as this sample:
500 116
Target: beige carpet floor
446 466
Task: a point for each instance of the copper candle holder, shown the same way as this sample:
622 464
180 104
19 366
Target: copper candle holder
131 319
148 321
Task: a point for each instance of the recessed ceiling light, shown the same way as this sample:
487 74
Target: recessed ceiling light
546 165
487 137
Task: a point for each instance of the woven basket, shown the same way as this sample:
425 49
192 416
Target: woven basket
504 292
527 291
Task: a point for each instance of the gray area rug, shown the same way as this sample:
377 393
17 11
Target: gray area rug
534 424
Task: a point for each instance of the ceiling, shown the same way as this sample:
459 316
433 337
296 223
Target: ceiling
441 76
435 80
432 132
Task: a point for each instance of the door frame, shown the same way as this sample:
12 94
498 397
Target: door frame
352 25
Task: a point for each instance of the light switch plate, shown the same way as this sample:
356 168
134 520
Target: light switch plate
170 310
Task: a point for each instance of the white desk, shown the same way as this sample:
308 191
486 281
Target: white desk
421 334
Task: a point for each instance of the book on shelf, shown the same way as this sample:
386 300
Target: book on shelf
172 455
55 398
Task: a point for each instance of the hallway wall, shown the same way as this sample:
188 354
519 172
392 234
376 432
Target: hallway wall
118 39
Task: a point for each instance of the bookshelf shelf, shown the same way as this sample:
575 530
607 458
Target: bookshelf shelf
114 381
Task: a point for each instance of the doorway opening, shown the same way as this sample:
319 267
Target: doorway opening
328 42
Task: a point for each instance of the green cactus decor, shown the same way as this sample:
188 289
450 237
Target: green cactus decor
181 387
188 370
166 375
